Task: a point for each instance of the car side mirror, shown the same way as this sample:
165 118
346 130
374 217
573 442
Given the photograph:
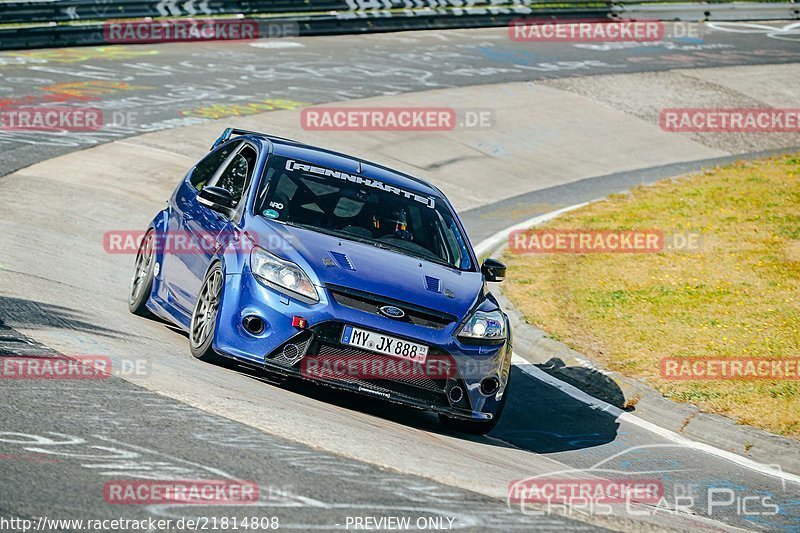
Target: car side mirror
217 199
493 270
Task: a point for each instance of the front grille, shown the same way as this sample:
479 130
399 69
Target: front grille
423 389
336 353
323 341
371 304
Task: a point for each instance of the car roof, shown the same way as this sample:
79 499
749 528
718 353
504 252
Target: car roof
347 163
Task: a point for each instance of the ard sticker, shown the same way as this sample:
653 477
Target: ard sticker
271 213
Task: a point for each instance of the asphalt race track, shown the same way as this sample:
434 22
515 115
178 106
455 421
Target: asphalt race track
147 87
320 458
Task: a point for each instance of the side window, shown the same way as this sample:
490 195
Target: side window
206 168
283 191
236 176
457 244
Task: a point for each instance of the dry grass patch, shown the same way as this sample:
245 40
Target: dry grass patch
738 296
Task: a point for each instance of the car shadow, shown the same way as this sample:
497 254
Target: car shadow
538 417
595 383
544 419
19 313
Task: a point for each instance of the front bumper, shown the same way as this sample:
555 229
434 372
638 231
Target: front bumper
281 348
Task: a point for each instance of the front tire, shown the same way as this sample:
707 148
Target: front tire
142 281
476 427
204 316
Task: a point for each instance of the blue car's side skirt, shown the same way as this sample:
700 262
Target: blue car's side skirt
168 312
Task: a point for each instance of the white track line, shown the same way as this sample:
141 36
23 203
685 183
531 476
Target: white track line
624 416
496 241
489 244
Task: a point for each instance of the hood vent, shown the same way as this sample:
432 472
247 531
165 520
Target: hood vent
433 284
342 260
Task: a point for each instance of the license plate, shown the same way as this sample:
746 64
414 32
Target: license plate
375 342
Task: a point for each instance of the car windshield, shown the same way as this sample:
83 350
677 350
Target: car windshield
361 209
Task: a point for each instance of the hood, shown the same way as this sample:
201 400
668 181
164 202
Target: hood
367 268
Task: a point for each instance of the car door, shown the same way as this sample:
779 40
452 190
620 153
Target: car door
210 229
179 262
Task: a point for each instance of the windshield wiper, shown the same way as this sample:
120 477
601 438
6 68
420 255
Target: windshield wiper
333 233
378 244
419 255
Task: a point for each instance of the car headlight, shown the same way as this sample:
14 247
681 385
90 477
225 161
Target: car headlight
483 325
282 275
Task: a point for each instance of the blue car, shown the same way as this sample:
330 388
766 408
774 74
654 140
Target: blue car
311 263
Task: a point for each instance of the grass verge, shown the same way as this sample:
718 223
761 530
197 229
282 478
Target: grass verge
737 295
